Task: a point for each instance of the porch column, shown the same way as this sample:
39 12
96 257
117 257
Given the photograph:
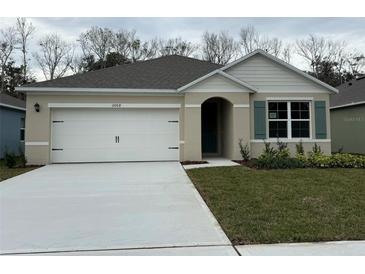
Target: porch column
192 136
241 128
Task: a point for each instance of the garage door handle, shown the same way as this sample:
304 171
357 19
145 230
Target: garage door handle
173 147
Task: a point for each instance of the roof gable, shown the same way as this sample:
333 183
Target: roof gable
219 79
274 73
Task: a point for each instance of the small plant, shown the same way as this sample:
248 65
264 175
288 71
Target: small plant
300 149
316 149
283 151
22 158
269 151
10 159
245 150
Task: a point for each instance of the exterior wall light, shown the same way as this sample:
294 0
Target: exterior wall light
37 107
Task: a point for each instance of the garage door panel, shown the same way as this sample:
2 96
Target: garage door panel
88 135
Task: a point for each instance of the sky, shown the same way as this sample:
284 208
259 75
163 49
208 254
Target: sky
352 30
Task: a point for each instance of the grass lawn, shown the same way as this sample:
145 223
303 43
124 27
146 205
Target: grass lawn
6 173
273 206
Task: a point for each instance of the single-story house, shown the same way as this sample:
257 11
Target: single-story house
175 108
348 117
12 124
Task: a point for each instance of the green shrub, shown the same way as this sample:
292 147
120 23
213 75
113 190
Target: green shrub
279 158
283 150
22 159
300 149
10 159
245 150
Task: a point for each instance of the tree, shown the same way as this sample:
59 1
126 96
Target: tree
251 40
97 41
329 60
312 49
54 57
176 46
25 30
141 50
13 77
8 42
218 48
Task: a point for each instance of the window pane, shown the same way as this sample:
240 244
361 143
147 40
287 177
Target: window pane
295 114
22 135
304 115
283 114
278 129
300 129
278 110
282 106
273 106
299 110
22 122
304 106
295 106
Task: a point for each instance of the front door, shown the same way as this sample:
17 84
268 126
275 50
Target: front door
210 127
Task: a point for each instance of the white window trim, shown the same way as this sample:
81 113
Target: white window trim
289 119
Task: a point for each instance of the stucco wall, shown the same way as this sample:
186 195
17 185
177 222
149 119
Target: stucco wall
239 128
10 123
38 124
348 129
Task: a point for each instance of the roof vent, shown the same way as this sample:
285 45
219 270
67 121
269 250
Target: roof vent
350 84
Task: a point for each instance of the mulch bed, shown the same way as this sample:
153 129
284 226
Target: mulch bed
185 163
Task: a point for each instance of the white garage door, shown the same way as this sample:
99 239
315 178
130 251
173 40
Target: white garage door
102 135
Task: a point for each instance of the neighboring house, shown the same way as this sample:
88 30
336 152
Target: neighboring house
348 117
175 108
12 124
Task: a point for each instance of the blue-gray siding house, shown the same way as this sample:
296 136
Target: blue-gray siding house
12 124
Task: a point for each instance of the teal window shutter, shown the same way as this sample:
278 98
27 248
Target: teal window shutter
320 119
260 119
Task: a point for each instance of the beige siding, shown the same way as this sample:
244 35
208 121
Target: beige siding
269 76
217 83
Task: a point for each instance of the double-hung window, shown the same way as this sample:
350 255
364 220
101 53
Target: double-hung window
289 119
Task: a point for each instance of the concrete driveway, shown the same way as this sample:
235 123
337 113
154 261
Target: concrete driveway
108 208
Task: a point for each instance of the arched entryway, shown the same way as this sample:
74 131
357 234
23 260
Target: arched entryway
216 127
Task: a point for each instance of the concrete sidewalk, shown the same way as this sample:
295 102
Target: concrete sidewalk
340 248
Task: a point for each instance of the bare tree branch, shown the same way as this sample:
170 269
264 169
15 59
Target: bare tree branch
25 29
8 41
54 57
219 48
176 46
97 41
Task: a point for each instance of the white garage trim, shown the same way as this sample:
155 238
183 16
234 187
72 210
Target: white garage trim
36 143
111 105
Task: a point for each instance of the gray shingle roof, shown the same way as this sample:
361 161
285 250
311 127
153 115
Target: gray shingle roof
12 101
349 92
168 72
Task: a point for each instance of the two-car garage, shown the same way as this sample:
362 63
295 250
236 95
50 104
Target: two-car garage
115 133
